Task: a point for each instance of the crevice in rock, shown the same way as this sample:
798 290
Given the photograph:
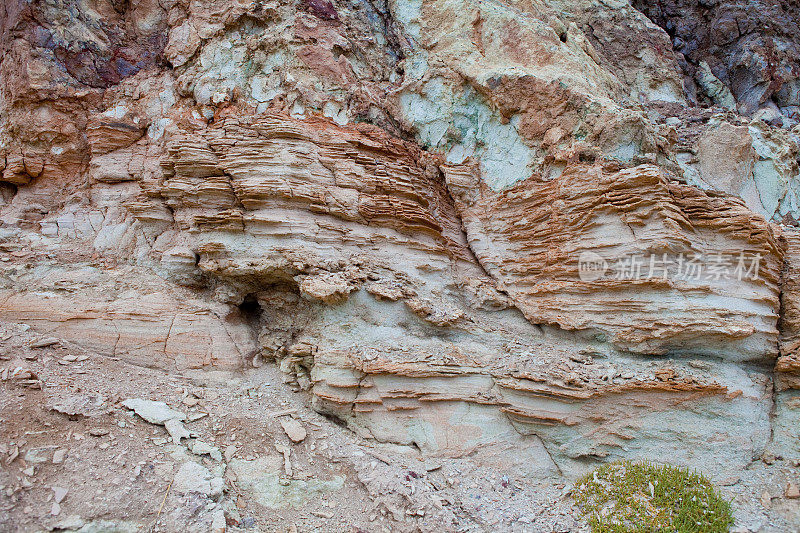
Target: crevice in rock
7 193
465 235
389 30
545 444
773 411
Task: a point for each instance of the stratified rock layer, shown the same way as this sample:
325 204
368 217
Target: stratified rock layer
656 295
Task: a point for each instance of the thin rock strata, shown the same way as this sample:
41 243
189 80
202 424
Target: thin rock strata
392 200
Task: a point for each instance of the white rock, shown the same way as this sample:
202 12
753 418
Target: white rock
59 455
176 430
193 477
200 447
218 521
43 343
153 412
294 429
59 493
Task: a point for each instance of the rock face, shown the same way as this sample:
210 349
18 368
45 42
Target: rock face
457 224
745 49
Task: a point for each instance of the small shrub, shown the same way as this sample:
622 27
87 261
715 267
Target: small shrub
628 497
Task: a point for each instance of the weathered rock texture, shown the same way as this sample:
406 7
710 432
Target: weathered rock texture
746 50
391 200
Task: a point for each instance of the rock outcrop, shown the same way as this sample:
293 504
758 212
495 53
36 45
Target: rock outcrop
458 225
740 54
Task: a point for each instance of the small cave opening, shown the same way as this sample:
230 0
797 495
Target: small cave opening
251 310
7 193
251 313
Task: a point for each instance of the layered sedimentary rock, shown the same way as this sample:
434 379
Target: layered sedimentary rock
670 254
275 197
457 224
137 319
787 367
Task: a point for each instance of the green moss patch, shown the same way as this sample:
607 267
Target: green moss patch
646 497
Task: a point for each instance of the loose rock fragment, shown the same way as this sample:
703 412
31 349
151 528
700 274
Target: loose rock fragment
200 447
88 405
59 493
294 429
176 430
153 412
12 455
218 524
766 499
45 342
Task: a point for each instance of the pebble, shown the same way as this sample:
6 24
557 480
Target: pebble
190 401
59 455
230 451
59 493
43 343
218 524
294 429
766 499
12 455
792 491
